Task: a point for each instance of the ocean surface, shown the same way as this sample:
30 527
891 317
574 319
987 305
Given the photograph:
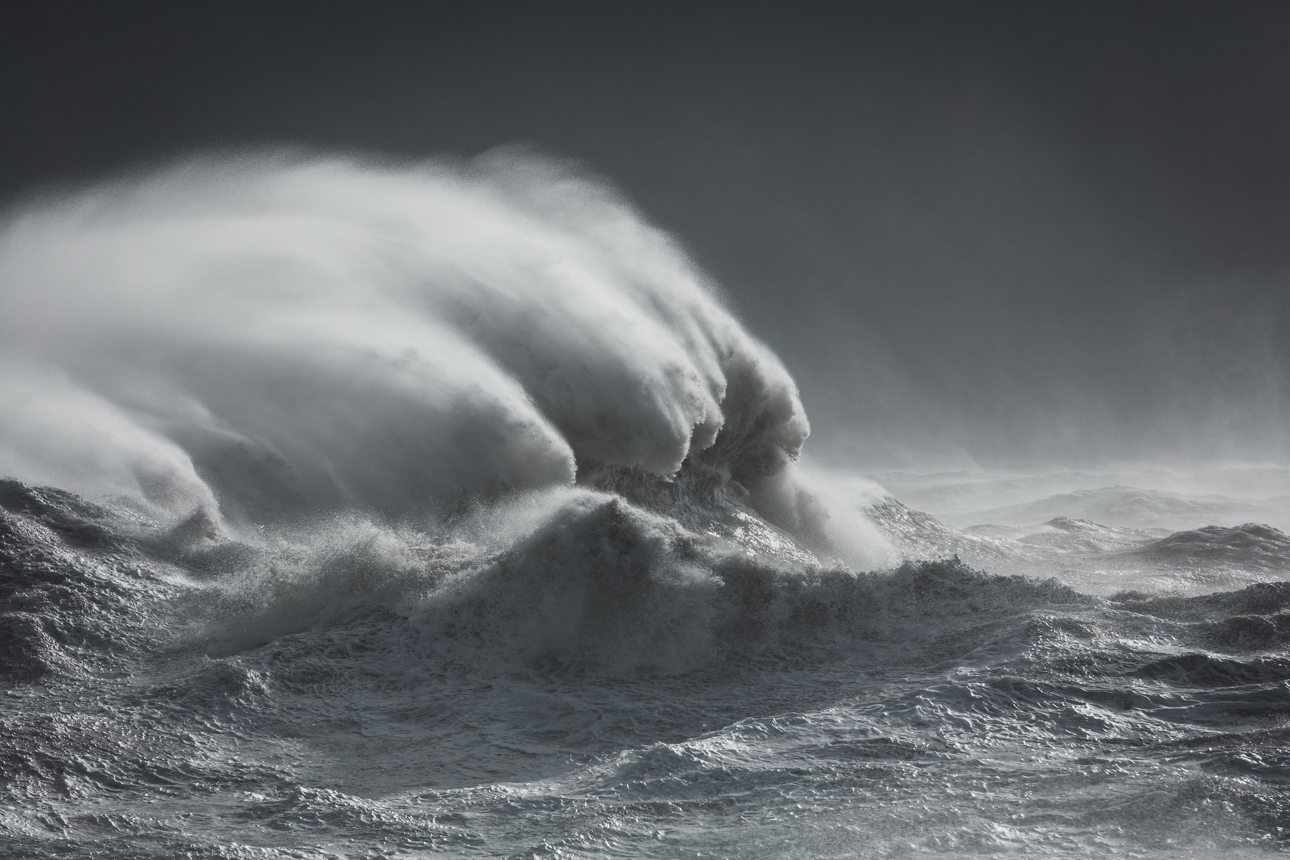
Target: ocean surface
445 510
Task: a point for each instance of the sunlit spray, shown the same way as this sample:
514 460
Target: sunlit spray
270 337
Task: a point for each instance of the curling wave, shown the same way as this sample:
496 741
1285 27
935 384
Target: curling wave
266 338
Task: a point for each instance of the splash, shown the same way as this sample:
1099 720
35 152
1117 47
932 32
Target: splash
271 337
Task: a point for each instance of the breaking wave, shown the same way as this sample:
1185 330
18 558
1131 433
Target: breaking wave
445 508
262 339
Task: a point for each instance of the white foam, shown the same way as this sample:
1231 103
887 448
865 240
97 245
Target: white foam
312 334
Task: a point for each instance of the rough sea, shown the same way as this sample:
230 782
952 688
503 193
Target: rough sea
357 510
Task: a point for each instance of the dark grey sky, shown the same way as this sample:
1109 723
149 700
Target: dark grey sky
1012 231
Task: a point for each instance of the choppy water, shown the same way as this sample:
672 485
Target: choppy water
607 682
442 511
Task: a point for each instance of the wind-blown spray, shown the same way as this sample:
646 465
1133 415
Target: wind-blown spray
278 336
444 507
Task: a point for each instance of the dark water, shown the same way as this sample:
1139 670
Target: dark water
608 682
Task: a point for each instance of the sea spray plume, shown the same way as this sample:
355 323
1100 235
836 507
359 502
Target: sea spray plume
292 335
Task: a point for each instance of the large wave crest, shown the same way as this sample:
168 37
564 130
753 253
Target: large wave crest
268 337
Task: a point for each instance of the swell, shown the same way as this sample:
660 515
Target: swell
579 578
573 577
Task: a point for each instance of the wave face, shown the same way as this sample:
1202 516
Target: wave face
352 510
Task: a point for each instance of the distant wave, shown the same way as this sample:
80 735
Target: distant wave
1134 507
1251 546
1094 557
